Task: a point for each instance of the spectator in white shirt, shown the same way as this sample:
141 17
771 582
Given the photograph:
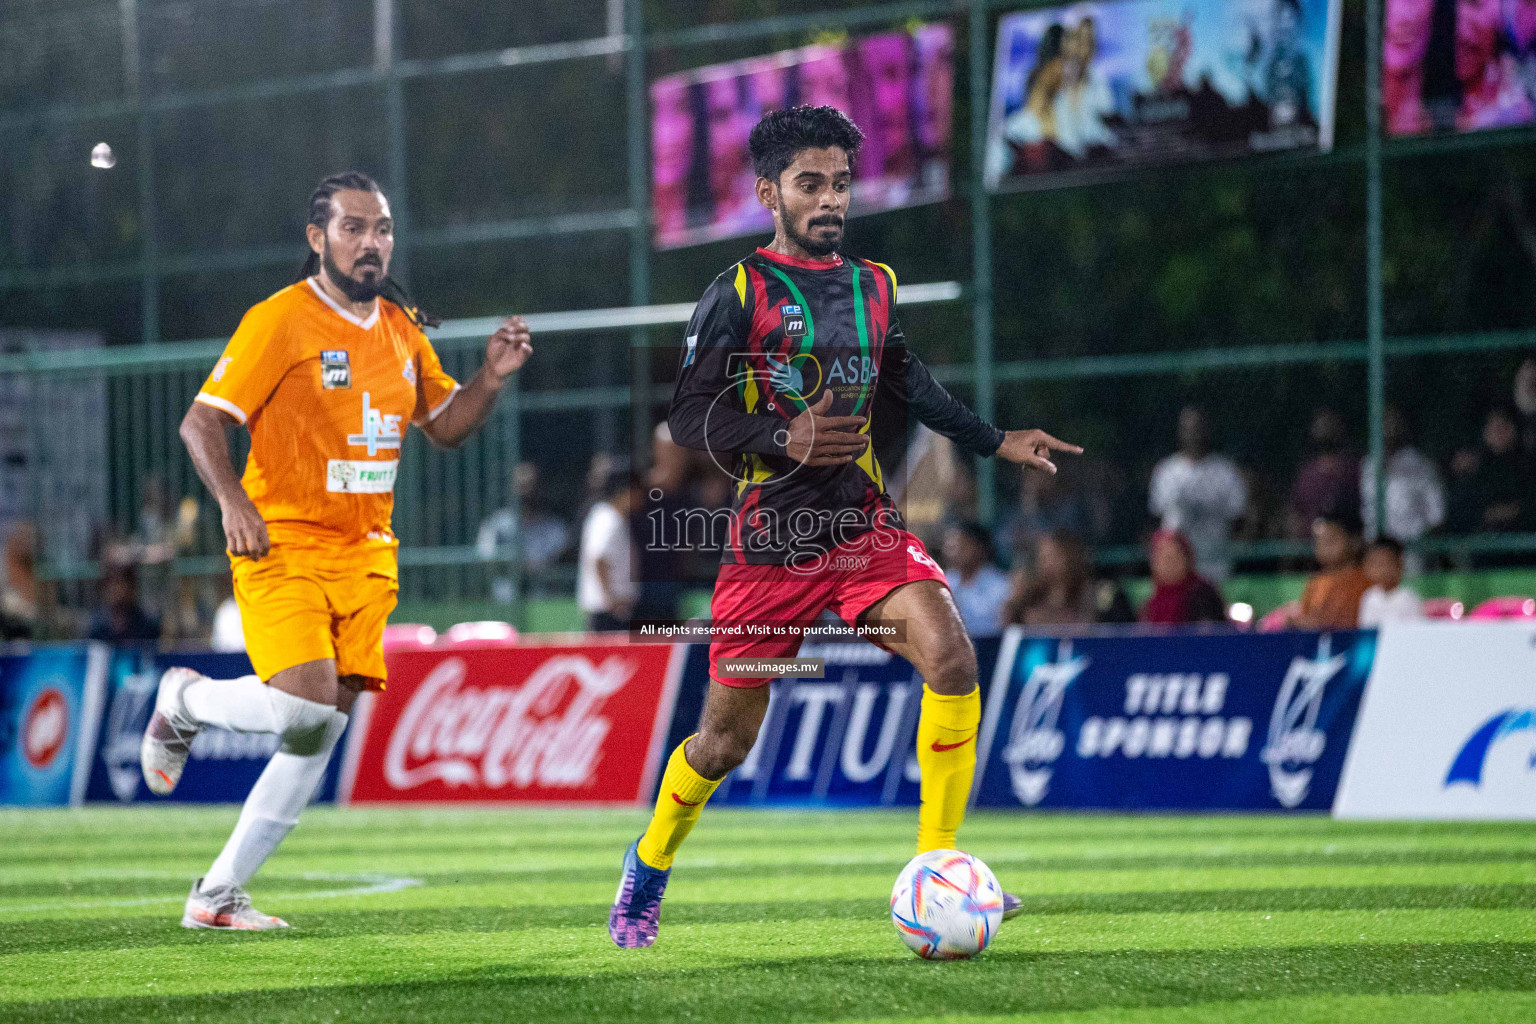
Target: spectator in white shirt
980 588
605 570
1388 600
1200 494
1415 492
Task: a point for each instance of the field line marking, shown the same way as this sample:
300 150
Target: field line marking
367 885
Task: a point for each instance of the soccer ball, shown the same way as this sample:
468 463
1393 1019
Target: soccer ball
946 905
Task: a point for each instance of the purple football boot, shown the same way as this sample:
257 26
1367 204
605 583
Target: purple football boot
1012 906
636 915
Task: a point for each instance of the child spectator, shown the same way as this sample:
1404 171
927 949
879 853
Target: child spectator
1388 600
1332 597
980 589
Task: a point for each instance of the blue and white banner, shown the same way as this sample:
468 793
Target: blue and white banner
1177 722
50 704
845 740
1448 727
223 765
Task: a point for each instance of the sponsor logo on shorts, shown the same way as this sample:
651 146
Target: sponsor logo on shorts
359 476
335 369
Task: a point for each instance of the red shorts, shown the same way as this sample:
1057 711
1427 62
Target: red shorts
786 600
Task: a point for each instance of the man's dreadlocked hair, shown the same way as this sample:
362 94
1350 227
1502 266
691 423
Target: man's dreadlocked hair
320 213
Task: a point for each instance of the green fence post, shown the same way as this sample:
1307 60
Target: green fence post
640 232
1376 374
981 248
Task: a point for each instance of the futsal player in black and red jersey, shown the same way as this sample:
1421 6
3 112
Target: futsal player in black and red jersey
787 356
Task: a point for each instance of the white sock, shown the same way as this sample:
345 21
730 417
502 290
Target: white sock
249 705
271 811
238 704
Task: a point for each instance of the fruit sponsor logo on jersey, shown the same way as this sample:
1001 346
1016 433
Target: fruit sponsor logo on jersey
361 476
45 728
335 369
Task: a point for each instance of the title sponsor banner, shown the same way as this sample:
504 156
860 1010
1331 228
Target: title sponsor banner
1177 722
223 765
897 87
50 703
846 739
539 724
1153 82
1466 66
1448 726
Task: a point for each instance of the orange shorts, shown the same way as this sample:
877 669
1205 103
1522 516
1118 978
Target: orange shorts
293 610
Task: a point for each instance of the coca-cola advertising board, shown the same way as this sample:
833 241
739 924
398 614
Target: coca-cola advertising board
526 724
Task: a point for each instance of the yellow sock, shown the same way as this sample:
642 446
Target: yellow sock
946 753
678 805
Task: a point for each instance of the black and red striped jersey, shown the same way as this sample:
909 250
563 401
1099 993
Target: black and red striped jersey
769 336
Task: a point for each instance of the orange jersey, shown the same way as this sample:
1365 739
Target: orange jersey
327 398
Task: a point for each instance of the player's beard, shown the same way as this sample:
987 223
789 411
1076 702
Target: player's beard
812 243
351 287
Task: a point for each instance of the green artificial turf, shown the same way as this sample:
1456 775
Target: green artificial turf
450 915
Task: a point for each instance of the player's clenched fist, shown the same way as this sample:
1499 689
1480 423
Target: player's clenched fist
1032 448
816 439
509 348
244 531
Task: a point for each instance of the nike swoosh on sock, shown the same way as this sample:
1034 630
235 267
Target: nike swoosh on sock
941 747
686 803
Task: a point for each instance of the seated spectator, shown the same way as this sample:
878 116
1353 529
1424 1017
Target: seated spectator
1492 489
1330 479
1046 503
1331 599
20 593
121 619
1200 493
1415 496
1059 589
1388 600
1180 596
980 589
544 536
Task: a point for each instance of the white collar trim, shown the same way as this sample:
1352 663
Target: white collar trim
373 317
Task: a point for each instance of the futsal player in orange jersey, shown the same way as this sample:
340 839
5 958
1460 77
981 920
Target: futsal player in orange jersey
326 375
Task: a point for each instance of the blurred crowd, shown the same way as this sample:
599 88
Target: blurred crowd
1036 567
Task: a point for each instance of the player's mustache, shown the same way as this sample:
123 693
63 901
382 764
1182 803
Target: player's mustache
368 260
826 221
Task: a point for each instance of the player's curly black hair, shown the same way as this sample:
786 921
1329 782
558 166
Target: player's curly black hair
320 212
783 134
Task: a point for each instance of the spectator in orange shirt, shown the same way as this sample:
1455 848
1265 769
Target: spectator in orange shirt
1332 597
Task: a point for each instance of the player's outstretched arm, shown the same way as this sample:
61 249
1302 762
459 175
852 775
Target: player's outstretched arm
203 432
1033 448
505 353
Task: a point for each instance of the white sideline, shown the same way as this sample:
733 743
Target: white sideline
371 885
